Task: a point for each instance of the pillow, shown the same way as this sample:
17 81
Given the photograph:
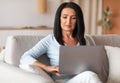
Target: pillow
2 53
114 64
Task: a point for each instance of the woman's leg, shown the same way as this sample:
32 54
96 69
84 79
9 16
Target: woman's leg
85 77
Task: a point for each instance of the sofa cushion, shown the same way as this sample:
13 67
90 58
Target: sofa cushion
17 45
114 64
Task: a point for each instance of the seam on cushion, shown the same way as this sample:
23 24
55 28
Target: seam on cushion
91 40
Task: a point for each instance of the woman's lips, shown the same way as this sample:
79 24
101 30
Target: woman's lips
69 26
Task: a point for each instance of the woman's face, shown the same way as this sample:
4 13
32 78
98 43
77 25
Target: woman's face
68 19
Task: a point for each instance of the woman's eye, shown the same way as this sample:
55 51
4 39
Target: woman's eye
73 17
64 17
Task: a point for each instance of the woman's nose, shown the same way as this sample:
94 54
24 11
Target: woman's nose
68 21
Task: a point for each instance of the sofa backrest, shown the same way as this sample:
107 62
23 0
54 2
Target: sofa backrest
17 45
110 39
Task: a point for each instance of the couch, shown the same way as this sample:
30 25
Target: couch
17 45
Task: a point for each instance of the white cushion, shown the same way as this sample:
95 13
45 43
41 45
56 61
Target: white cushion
114 64
2 53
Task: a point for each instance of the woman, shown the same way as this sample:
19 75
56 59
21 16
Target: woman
69 31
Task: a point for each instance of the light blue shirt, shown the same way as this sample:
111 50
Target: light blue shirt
47 45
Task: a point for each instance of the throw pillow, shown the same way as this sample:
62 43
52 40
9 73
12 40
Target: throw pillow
2 53
114 64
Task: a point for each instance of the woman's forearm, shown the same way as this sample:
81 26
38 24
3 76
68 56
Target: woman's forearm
47 68
41 65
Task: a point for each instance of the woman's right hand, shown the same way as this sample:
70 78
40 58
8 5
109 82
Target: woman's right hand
52 69
49 69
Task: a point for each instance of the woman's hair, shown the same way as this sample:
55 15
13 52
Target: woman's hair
79 30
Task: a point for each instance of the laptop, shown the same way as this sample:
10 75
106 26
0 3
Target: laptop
76 59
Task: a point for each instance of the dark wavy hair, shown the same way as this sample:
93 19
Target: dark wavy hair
79 30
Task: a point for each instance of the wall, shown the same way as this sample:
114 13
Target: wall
25 13
115 17
20 13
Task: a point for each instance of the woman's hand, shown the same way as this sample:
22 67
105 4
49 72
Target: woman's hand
52 70
49 69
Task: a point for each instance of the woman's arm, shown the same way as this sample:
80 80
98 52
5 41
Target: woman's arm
30 57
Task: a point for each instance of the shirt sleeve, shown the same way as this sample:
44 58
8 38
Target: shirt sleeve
29 57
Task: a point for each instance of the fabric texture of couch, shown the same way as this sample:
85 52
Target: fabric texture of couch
17 45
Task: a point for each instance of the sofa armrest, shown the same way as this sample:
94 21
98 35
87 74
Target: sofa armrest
12 74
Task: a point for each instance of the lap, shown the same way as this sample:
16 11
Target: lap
84 77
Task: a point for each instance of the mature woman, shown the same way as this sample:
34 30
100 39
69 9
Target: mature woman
69 30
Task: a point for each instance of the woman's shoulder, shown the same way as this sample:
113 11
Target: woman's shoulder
49 38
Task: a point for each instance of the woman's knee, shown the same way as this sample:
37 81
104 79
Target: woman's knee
92 76
86 77
89 73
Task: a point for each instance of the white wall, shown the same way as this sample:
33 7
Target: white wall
24 13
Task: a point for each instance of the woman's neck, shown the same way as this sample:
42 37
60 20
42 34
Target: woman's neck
69 39
67 35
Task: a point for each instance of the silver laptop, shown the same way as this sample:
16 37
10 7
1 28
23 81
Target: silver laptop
76 59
